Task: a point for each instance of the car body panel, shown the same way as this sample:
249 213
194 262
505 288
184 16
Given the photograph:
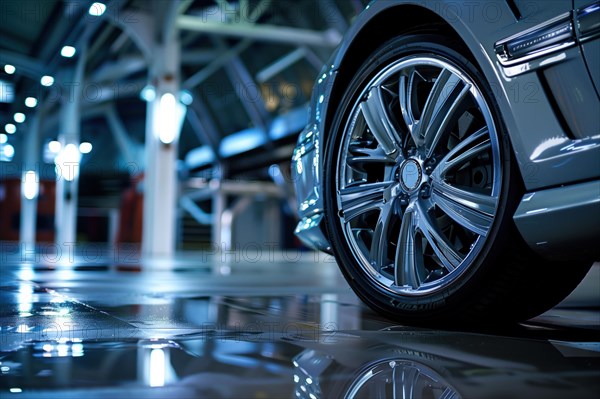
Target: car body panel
562 221
590 39
547 151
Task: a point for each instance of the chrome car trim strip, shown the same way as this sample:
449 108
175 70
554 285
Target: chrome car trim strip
553 35
588 22
549 37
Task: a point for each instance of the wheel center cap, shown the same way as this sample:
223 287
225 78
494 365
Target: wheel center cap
410 174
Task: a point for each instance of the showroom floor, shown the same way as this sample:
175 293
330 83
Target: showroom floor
264 325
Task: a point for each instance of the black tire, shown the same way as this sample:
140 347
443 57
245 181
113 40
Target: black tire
506 281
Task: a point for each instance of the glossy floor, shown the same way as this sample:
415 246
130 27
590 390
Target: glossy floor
263 325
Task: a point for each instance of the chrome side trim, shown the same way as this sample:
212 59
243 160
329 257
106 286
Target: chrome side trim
544 216
548 37
588 22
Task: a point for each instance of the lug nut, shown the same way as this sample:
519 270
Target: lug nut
425 191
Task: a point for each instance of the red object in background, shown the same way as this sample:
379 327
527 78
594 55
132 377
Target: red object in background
132 213
10 210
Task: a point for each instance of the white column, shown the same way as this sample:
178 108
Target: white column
160 180
30 183
68 159
67 184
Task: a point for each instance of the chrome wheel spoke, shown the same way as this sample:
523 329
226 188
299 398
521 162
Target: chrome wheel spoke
466 156
447 255
408 382
407 259
439 125
467 149
360 199
445 94
404 97
381 239
471 210
364 156
449 394
377 117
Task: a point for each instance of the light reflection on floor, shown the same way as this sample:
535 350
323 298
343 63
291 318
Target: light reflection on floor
201 326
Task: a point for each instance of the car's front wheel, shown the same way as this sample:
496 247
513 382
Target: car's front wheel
420 190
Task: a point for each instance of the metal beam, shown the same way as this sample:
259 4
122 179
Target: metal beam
259 10
220 61
195 57
62 20
313 59
117 70
271 33
244 5
122 138
94 100
52 119
25 65
13 42
140 27
203 125
168 20
195 211
99 40
214 66
333 15
119 42
252 102
280 65
84 29
184 5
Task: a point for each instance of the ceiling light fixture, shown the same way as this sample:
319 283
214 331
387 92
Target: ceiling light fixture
68 51
47 80
85 147
19 117
31 102
97 9
9 151
54 146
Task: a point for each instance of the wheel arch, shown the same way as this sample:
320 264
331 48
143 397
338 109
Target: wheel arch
370 35
385 20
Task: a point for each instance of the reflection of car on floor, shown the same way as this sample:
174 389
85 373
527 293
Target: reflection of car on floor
452 157
407 364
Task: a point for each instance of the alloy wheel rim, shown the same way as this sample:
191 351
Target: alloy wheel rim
419 178
403 378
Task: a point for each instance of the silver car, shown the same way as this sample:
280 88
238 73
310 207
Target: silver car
452 158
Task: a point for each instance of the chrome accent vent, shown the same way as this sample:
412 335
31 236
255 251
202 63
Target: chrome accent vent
540 40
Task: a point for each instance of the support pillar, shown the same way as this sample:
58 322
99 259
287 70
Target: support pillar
30 183
67 179
69 157
160 180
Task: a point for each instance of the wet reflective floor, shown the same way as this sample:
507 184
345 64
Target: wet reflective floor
279 326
